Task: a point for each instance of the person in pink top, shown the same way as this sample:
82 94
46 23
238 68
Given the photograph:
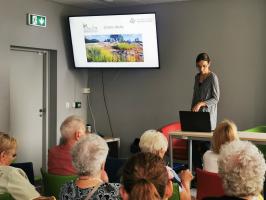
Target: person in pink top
59 157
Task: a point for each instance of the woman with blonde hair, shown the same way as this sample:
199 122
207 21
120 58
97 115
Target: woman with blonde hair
14 180
225 132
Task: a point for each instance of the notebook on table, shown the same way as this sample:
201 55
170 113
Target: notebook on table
195 121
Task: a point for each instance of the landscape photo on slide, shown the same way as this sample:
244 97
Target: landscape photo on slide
114 48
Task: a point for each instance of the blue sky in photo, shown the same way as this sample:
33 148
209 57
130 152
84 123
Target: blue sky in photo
101 38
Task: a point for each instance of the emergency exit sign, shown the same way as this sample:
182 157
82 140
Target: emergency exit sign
36 20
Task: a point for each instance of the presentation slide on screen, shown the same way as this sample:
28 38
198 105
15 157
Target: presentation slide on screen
126 41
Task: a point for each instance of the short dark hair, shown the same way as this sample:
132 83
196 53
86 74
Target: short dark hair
204 57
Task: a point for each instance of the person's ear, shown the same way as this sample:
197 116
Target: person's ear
3 157
169 189
161 153
103 166
78 135
123 193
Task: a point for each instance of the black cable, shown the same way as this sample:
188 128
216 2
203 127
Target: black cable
107 112
91 112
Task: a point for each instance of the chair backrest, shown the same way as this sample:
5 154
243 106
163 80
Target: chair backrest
180 149
174 126
259 129
45 198
208 184
113 167
52 183
6 196
27 167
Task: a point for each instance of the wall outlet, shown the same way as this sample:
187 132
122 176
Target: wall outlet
86 90
67 105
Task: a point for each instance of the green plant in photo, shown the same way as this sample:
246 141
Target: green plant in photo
124 46
97 54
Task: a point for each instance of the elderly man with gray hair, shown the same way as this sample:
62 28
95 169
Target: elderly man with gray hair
242 169
59 158
89 156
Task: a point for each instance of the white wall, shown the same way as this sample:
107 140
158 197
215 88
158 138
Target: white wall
14 31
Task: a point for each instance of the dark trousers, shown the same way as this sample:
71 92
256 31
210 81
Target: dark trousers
198 149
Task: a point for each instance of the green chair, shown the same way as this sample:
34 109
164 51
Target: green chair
6 196
176 195
259 129
52 183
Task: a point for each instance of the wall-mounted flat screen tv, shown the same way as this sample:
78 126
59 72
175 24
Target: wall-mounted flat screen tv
115 41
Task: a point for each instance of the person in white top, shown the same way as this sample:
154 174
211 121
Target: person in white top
14 181
225 132
155 142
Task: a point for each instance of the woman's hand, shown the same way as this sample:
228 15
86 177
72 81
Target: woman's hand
186 176
197 107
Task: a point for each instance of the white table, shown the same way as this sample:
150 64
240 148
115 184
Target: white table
258 138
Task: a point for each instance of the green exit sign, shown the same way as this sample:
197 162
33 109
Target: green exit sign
36 20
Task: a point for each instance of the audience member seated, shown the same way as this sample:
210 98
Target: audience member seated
13 180
155 142
226 131
59 157
242 169
145 177
89 156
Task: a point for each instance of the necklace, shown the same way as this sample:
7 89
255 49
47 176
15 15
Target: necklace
86 181
204 76
83 178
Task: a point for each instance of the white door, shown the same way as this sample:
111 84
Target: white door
26 100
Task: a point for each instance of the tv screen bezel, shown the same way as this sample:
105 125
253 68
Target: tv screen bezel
95 15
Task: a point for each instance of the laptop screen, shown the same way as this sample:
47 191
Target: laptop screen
195 121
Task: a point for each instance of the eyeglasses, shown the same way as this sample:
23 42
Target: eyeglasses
9 153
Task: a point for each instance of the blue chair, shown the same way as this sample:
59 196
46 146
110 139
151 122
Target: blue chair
27 167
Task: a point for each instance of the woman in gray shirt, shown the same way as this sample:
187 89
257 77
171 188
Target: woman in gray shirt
205 99
206 89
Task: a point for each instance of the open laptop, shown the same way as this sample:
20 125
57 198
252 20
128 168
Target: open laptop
195 121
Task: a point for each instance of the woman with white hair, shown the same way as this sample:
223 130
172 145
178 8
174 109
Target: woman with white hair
89 155
242 169
155 142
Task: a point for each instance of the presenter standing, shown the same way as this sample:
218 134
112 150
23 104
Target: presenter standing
205 99
206 89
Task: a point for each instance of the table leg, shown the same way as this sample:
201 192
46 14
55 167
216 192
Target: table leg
190 155
171 150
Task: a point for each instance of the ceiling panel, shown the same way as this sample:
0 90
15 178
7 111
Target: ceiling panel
110 3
